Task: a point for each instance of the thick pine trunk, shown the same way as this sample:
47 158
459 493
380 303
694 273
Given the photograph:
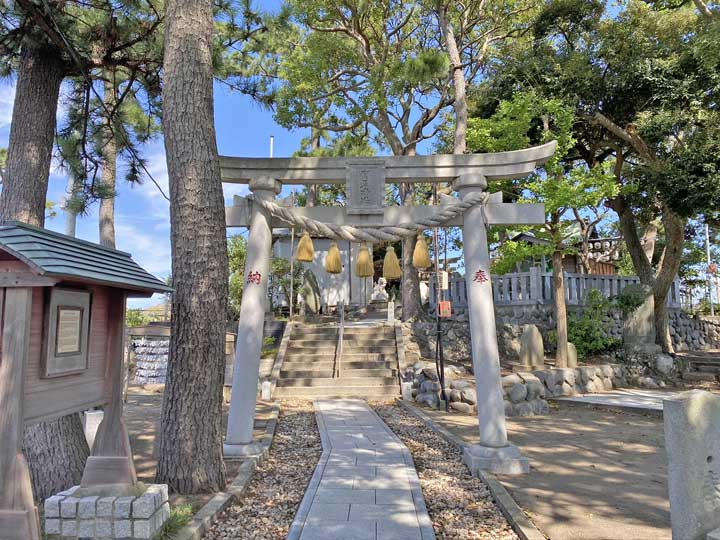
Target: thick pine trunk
560 310
190 438
31 136
411 303
56 453
106 220
460 106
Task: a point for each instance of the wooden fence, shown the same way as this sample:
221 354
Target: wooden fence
535 287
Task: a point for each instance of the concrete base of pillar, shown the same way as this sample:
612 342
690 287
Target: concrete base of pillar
503 460
240 451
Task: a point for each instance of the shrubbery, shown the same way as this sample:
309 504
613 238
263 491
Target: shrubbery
587 330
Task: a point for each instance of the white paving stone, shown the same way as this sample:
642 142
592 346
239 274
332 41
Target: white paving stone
365 486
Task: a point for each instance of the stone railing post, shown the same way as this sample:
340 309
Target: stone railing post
241 416
493 453
535 285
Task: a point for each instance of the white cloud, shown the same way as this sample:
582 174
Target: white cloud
7 98
149 250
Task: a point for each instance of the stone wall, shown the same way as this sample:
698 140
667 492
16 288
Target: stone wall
524 393
688 333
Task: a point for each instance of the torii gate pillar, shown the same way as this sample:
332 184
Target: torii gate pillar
241 416
494 453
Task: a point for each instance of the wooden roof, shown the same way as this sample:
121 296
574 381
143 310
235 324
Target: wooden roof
59 256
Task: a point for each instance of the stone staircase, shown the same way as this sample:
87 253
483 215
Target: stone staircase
700 365
367 367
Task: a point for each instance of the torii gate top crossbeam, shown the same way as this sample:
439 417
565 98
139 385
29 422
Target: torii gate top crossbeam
436 168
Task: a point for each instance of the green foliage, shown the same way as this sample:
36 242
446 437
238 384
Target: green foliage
180 515
281 278
237 253
136 317
587 329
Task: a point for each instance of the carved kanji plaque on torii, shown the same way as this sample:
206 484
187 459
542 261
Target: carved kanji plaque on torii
365 184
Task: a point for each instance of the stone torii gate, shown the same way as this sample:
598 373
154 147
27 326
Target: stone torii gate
365 211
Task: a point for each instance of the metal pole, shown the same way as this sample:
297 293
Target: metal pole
709 275
439 357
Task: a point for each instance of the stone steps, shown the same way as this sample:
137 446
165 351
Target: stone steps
337 391
340 382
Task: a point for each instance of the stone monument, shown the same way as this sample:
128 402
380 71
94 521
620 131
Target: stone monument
532 350
692 440
639 326
572 355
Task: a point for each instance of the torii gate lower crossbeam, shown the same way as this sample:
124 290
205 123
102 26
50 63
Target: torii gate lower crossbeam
469 175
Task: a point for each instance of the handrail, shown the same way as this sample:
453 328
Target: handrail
339 346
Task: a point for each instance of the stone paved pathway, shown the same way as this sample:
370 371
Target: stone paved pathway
365 486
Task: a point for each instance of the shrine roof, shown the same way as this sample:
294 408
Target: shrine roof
52 254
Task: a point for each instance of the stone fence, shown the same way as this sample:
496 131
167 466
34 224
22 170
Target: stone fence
535 288
687 332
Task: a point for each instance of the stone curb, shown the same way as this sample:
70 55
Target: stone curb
209 513
570 403
515 515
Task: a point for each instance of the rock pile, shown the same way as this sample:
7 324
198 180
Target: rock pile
524 395
422 381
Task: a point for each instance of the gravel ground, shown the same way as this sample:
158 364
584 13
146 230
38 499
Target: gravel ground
278 484
460 505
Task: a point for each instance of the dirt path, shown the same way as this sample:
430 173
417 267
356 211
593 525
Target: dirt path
142 415
594 474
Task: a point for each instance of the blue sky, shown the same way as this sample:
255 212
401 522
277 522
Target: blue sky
142 214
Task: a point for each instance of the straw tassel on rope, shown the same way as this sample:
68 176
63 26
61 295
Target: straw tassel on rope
364 266
333 264
305 250
391 265
421 256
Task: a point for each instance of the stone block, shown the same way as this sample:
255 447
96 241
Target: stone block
52 506
104 507
144 506
535 390
464 408
122 528
86 528
142 528
692 440
460 384
122 507
469 396
518 393
69 527
86 507
103 528
406 389
511 380
68 507
52 526
523 409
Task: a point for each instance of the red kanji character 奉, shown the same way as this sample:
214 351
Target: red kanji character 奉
254 277
480 276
